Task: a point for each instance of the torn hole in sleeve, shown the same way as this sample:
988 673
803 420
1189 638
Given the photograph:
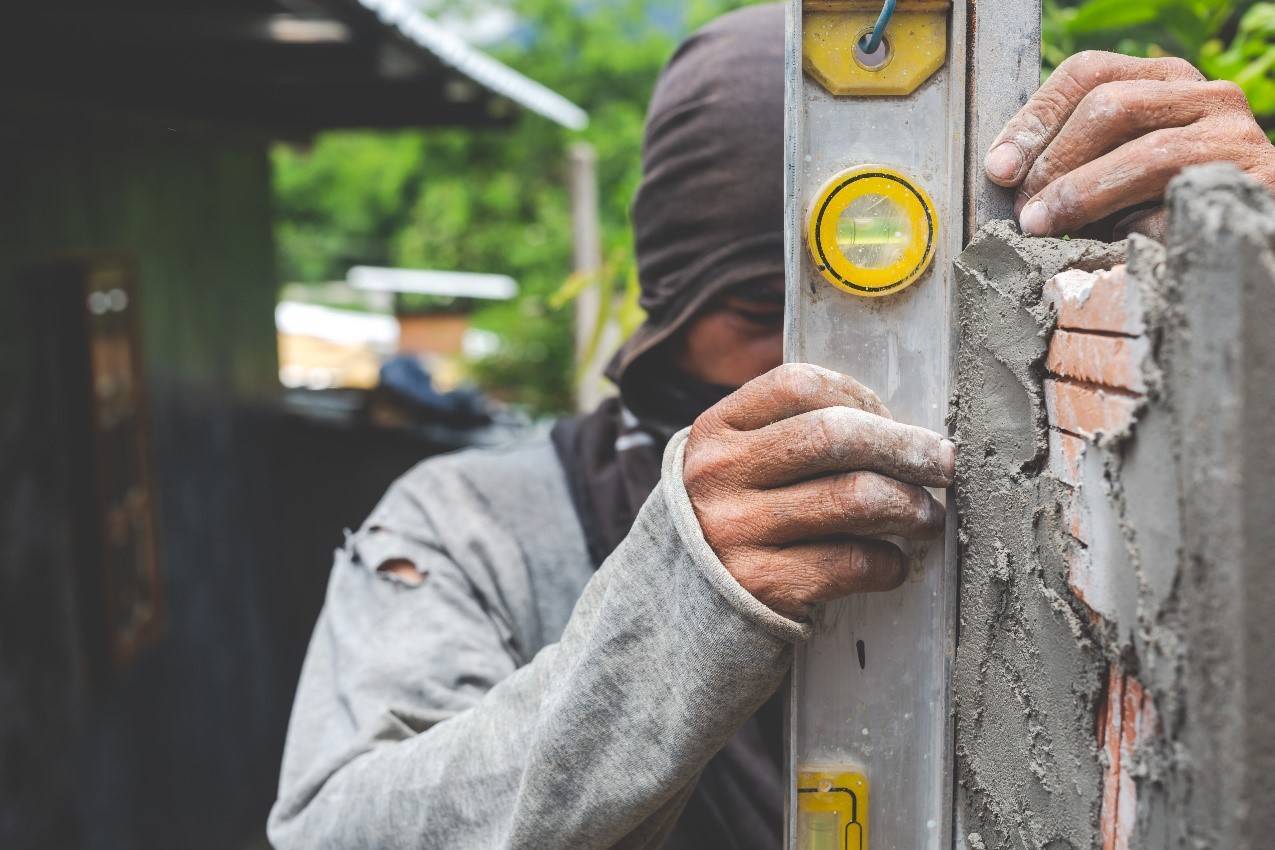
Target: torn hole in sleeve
402 570
394 557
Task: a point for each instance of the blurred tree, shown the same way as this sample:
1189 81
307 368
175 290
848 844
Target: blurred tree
495 200
1227 39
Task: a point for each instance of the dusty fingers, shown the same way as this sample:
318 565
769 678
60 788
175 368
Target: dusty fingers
1036 125
793 476
1108 132
1113 114
820 572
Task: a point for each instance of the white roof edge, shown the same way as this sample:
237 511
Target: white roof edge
497 287
476 65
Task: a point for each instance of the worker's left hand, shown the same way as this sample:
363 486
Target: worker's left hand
1108 132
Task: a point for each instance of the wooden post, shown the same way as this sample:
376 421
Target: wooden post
591 386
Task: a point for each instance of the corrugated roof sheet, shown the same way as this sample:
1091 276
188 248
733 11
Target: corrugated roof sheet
478 66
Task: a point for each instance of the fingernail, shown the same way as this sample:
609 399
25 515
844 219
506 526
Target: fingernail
947 457
1004 161
1034 219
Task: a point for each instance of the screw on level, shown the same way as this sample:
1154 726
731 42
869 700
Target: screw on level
871 42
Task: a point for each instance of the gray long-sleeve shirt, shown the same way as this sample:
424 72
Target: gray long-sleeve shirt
516 698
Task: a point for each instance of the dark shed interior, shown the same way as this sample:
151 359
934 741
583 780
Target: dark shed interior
165 526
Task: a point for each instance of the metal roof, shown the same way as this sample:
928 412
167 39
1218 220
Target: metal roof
429 282
478 66
285 66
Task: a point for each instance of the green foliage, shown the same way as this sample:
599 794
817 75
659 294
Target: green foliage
1250 58
1136 27
618 291
495 200
1227 39
336 201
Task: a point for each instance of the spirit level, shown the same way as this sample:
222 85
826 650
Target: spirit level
882 190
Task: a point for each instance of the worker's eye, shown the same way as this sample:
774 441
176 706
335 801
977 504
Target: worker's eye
762 311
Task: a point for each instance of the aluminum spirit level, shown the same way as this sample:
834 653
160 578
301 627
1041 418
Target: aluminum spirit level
882 191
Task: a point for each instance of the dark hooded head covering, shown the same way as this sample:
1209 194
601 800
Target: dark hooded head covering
708 214
708 217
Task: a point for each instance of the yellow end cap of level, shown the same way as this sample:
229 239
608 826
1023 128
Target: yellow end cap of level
872 231
832 809
917 43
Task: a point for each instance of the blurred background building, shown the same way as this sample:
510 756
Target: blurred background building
169 508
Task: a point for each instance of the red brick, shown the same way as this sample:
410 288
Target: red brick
1111 717
1126 722
1089 411
1096 301
1111 361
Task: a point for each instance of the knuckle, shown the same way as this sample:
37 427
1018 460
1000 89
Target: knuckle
705 427
1051 110
1106 104
708 463
871 401
795 381
826 434
917 503
861 495
1165 152
1227 95
835 427
1177 68
785 584
802 374
730 525
876 566
930 512
801 590
695 465
903 507
1063 199
1049 166
1084 64
1088 68
844 498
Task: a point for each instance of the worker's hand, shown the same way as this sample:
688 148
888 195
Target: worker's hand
1108 132
791 477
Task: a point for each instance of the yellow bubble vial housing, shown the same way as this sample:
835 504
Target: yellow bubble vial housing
832 810
872 231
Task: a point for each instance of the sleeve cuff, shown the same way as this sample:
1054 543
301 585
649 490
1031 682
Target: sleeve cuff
706 560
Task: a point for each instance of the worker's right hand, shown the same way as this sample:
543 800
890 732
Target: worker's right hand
794 474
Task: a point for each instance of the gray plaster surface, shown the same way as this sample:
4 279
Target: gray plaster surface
1028 676
1181 516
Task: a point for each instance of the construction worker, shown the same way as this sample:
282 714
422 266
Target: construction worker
576 642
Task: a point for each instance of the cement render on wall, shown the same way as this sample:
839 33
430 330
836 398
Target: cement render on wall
1028 675
1187 491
